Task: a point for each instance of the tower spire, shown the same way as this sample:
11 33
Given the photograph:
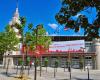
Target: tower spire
17 12
16 3
15 18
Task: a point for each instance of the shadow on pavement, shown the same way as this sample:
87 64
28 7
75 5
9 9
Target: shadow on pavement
62 79
83 79
75 79
8 74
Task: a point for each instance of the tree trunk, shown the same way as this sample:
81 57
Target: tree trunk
40 65
7 66
35 74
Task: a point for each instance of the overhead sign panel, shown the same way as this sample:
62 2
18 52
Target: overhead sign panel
66 46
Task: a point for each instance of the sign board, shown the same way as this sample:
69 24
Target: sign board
67 46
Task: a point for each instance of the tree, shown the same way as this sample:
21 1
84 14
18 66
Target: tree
36 40
8 40
71 8
20 28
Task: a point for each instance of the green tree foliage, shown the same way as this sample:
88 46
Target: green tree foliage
2 42
8 40
21 27
30 26
72 8
23 21
20 61
37 37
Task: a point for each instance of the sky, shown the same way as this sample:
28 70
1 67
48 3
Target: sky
36 12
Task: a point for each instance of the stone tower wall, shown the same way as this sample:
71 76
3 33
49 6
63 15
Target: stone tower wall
96 43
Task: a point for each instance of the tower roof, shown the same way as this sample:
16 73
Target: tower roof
15 18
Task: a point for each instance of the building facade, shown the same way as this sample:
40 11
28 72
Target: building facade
88 55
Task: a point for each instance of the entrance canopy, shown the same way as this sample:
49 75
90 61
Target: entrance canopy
67 46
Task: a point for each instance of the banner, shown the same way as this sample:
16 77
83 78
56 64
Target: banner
67 46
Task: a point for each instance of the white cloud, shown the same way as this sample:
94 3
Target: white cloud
53 25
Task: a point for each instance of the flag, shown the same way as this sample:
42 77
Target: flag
66 28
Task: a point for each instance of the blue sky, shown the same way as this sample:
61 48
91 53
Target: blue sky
37 12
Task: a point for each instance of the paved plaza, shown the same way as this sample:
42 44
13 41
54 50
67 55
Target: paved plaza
49 75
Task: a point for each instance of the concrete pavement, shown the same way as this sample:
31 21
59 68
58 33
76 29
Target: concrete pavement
76 74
